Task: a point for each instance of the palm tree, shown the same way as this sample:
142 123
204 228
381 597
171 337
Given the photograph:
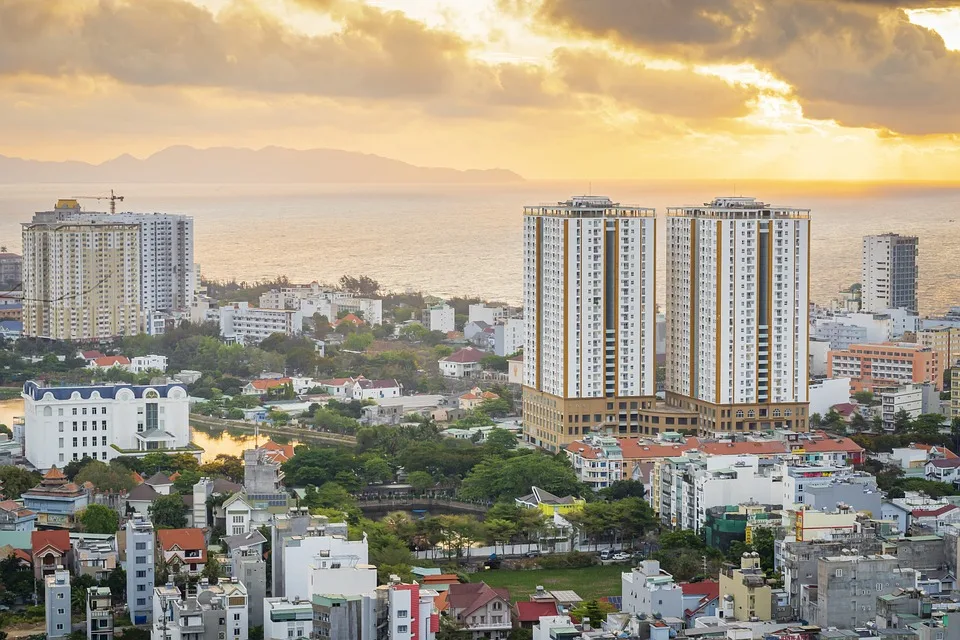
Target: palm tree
78 599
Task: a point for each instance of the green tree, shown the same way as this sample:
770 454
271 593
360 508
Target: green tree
414 332
358 341
117 582
17 481
863 397
496 478
212 570
620 489
420 481
495 363
108 478
901 421
74 467
168 512
376 470
97 518
500 441
495 408
230 467
594 611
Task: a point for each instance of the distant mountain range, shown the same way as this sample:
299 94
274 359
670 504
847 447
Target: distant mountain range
183 164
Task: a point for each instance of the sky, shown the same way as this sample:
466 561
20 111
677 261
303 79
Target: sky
553 89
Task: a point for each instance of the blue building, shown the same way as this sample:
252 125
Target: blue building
141 550
56 500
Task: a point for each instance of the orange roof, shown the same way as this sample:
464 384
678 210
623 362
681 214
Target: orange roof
440 602
182 538
740 448
441 578
263 385
136 477
109 361
54 474
336 382
832 444
351 318
59 540
928 447
278 452
176 474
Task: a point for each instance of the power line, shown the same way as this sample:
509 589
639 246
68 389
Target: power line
66 296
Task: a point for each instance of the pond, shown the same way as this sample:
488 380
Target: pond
213 442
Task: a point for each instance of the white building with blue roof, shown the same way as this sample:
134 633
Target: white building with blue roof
104 422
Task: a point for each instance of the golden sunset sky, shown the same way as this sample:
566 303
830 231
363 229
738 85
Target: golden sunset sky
623 89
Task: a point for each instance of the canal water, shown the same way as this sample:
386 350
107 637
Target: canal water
214 443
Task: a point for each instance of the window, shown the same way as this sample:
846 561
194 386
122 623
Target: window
60 626
61 427
401 628
141 587
236 617
141 559
402 613
141 601
74 442
103 441
74 411
59 596
238 519
838 573
141 574
152 420
61 442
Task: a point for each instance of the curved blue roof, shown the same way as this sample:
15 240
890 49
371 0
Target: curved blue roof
106 391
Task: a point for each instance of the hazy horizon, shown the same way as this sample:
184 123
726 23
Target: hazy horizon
839 90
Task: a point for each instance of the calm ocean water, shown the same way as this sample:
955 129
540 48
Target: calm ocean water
449 240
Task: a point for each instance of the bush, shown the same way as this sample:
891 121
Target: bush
572 560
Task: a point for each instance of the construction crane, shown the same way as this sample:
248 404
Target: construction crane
113 198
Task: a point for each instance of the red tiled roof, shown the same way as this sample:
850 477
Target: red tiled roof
54 474
91 355
336 382
440 602
441 578
739 448
59 540
831 443
925 513
844 408
110 361
183 538
263 385
945 463
467 598
533 611
704 587
466 355
15 507
136 477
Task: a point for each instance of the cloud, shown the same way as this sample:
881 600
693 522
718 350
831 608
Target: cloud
678 92
861 63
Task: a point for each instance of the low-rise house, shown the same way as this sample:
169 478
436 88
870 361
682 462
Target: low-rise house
944 470
339 388
141 497
153 362
99 614
548 503
184 550
481 610
700 599
16 517
526 614
94 555
239 515
936 519
161 483
464 363
109 362
364 389
287 620
264 386
475 397
50 549
647 590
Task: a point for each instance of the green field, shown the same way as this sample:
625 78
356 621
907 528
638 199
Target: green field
590 583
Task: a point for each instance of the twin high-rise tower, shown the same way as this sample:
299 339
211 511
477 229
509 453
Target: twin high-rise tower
736 311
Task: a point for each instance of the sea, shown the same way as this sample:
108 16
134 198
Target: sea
449 240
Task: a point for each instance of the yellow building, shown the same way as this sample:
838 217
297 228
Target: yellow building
749 594
81 280
550 504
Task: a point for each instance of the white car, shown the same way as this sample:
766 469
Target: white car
621 557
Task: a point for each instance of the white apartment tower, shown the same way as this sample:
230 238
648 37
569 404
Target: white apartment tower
888 272
167 272
588 293
81 280
738 274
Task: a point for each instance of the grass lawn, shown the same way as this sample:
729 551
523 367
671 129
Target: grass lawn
590 583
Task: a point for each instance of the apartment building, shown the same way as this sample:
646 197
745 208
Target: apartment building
140 550
10 270
103 422
99 614
848 586
590 312
208 612
888 272
241 323
647 589
287 619
914 399
440 317
744 593
873 366
81 279
57 603
168 275
738 275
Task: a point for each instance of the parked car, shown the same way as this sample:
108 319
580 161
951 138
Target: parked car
606 554
533 553
621 557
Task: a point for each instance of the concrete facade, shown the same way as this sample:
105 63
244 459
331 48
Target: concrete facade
141 558
56 598
647 589
848 587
